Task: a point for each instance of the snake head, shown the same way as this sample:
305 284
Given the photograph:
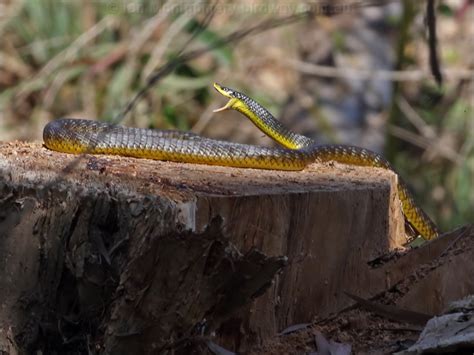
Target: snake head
232 95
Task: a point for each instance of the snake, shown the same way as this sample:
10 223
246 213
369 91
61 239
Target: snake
79 136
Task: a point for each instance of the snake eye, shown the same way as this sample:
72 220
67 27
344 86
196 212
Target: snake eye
229 91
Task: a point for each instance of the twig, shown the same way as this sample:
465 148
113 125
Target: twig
369 74
174 29
69 53
204 119
391 312
48 43
428 144
9 11
88 96
14 65
54 88
413 116
177 26
432 42
462 234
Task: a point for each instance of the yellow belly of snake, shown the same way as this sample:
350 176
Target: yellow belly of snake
84 136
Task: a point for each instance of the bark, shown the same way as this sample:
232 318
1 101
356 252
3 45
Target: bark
121 255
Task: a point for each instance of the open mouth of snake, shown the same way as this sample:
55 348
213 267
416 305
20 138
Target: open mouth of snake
227 106
223 92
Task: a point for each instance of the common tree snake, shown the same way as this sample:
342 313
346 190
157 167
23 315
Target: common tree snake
85 136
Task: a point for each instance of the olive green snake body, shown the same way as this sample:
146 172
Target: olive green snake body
85 136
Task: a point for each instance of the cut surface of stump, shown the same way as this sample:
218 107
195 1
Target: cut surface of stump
150 253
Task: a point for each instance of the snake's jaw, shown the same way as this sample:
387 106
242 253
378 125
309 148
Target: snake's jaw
229 105
229 93
226 93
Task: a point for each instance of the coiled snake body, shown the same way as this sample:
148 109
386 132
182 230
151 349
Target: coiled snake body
84 136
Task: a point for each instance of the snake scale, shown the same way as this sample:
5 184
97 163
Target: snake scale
85 136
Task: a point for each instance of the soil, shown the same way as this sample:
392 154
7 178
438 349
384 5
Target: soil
365 332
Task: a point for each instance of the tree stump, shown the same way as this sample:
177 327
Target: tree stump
122 255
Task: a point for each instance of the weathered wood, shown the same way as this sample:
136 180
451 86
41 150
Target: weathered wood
147 254
433 276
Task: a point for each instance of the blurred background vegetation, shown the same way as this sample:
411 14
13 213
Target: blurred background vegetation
353 72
